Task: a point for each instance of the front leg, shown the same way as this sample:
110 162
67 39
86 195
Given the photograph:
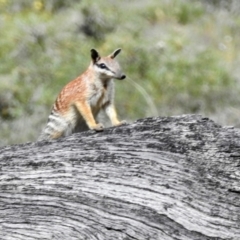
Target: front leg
86 112
110 110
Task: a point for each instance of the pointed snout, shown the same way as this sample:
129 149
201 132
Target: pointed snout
119 75
123 76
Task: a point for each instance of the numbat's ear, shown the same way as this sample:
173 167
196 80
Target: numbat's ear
115 53
95 55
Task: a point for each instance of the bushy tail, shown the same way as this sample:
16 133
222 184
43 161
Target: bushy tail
56 127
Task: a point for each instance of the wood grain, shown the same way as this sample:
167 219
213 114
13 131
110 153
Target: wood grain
158 178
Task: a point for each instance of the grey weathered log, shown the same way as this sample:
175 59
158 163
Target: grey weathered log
158 178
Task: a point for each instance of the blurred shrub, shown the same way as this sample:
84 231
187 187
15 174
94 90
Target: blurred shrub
175 55
36 5
230 5
95 25
175 10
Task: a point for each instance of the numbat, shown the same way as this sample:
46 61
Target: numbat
80 101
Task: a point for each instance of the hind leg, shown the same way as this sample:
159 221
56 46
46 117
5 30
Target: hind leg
50 135
85 111
56 135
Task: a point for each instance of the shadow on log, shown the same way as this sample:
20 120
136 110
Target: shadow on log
158 178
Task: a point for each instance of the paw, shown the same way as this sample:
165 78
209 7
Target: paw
121 123
98 127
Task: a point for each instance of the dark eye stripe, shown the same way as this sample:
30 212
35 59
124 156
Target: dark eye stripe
102 66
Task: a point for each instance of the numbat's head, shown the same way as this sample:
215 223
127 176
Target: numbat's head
107 67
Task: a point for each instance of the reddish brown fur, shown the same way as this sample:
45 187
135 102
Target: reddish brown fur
80 100
73 92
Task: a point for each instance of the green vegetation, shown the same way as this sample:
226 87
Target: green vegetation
180 57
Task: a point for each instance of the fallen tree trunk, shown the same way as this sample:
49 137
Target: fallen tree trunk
158 178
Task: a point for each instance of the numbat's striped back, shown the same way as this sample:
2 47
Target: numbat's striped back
80 101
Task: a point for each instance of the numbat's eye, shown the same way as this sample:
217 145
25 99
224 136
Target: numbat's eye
102 65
